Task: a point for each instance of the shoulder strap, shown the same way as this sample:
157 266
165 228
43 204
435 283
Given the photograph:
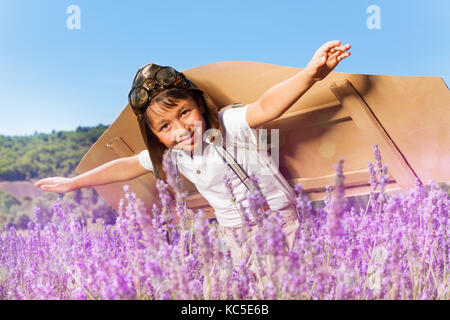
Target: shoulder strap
234 166
229 159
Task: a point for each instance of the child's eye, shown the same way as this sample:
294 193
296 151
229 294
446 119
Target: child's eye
164 127
185 112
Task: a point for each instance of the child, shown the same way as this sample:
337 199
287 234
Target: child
175 118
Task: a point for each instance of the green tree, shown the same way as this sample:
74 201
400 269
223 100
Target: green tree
42 155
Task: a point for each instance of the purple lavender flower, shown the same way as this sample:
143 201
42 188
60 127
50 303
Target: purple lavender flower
337 205
145 255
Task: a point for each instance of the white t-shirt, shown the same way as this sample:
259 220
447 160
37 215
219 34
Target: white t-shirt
206 171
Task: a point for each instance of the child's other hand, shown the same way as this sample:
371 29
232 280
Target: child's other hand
56 184
326 59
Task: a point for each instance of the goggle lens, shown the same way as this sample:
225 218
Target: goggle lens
138 98
166 76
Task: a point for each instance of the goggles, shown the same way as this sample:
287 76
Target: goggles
151 80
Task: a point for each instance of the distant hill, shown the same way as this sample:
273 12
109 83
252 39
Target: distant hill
43 155
25 159
20 189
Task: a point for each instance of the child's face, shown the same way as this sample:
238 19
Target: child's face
175 127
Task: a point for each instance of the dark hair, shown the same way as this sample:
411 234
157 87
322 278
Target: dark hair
169 98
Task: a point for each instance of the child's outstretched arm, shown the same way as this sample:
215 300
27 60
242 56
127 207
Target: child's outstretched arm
123 169
275 101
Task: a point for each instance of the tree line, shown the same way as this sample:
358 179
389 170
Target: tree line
42 155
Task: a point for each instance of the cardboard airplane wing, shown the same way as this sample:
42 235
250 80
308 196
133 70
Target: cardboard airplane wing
342 116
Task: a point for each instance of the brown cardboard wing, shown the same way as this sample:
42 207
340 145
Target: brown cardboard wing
342 116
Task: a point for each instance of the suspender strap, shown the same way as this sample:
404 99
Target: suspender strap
237 169
234 166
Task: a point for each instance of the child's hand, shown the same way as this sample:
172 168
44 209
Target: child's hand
56 184
326 59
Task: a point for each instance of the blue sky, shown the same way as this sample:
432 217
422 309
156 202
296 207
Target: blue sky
55 78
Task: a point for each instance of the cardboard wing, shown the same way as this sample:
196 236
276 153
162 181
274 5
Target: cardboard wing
342 116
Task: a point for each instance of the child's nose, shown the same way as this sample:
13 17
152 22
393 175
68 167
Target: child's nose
181 130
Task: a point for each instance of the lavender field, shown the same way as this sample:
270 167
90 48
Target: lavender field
396 246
